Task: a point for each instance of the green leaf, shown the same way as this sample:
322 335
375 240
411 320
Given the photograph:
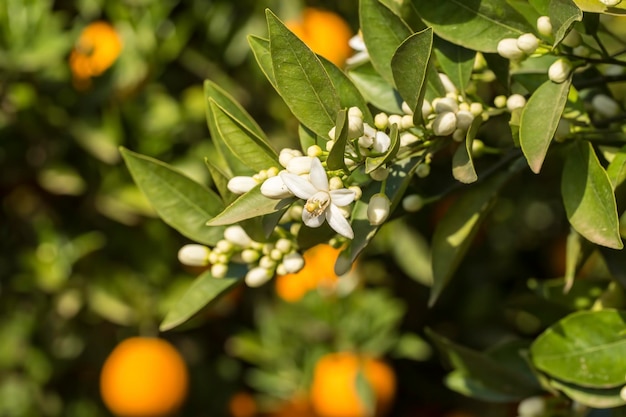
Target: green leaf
261 51
541 6
349 95
375 89
383 31
181 202
477 25
399 178
465 385
526 9
335 158
586 348
410 64
454 233
617 168
302 81
220 179
252 150
596 398
462 163
307 137
496 376
365 392
588 196
456 61
596 6
540 118
201 293
563 14
247 206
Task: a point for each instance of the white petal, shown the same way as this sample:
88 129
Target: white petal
339 224
274 187
382 141
342 197
318 175
298 185
311 220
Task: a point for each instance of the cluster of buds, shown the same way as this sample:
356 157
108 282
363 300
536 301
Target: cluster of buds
263 260
450 115
518 49
511 103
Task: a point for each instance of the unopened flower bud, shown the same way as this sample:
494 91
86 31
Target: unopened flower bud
407 122
224 246
355 112
610 3
382 141
528 43
605 105
329 145
194 255
287 155
313 151
444 124
358 193
560 70
355 127
459 135
448 85
412 203
250 256
241 184
378 209
500 101
274 187
407 138
381 121
422 170
272 172
395 119
478 148
257 276
267 261
284 245
476 109
276 254
507 48
531 407
445 104
427 109
219 270
464 119
572 39
515 101
544 25
335 183
406 108
331 133
293 262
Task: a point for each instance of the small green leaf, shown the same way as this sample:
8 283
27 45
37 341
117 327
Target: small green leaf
462 163
456 61
375 89
477 25
307 137
302 81
201 293
365 392
409 65
454 233
336 156
383 31
586 348
181 202
540 118
563 14
261 51
249 205
249 148
588 196
526 9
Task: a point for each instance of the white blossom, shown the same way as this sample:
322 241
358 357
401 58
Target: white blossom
528 43
444 124
361 55
560 70
287 155
321 202
544 25
237 236
508 48
515 101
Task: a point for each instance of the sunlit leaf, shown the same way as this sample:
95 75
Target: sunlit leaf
261 50
201 293
477 25
539 120
249 205
375 89
596 398
383 31
586 348
588 196
409 65
181 202
462 163
302 81
596 6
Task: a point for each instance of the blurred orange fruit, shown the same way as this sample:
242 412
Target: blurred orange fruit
144 377
318 271
325 32
242 404
334 387
298 407
96 50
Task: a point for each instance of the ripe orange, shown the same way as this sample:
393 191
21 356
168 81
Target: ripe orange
325 32
144 377
318 271
242 404
334 390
